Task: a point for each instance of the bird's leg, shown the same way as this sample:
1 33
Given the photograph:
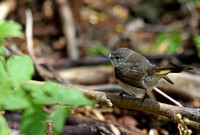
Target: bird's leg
121 94
145 97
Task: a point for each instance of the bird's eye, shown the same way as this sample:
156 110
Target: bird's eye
117 57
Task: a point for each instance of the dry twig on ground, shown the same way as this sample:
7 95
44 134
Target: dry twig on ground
30 45
6 7
43 72
68 28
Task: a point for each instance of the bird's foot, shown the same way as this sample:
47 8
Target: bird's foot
121 94
145 97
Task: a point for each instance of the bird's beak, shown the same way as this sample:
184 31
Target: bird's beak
108 56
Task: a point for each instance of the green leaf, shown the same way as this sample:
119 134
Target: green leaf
33 120
70 96
159 39
175 43
59 117
15 100
97 50
195 1
173 38
4 129
20 67
5 83
39 94
197 43
1 41
10 29
2 52
56 94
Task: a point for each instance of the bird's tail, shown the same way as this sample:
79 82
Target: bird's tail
175 69
164 71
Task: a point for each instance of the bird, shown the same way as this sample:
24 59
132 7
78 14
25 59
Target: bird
136 74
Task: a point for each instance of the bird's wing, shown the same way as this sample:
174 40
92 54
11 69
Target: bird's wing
131 74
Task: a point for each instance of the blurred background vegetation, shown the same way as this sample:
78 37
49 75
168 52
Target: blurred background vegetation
70 36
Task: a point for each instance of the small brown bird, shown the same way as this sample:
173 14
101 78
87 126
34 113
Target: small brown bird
135 74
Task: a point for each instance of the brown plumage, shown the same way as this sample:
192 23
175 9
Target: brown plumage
135 74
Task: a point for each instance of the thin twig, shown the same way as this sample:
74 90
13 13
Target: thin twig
167 96
29 32
29 39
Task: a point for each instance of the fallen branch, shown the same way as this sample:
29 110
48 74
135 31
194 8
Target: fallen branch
79 120
187 85
85 75
68 28
6 7
155 107
134 103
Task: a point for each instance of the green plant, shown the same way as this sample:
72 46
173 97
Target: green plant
196 1
172 39
18 93
9 29
182 125
197 43
97 50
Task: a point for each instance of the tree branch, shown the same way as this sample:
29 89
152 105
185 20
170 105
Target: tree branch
155 107
134 103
